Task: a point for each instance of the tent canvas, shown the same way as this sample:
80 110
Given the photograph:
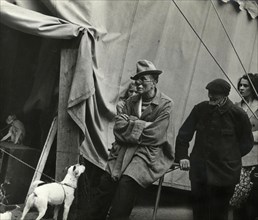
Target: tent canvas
115 34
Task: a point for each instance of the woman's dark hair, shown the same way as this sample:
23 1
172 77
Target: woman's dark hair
250 77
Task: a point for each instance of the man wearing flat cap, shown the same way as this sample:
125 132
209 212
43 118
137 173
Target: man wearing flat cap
142 152
223 134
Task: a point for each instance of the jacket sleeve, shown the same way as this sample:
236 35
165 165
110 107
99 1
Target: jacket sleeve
128 131
157 133
185 135
134 130
246 139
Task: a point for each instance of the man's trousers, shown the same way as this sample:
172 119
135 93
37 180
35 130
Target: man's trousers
210 202
114 198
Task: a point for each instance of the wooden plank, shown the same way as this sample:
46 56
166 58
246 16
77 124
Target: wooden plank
67 152
44 154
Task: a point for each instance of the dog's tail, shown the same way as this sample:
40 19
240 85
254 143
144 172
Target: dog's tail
36 184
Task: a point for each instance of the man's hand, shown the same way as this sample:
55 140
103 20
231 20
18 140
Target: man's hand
125 116
184 164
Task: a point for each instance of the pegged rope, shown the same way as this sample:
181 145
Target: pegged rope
26 164
241 63
225 74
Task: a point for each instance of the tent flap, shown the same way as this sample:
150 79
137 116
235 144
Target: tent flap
250 6
35 23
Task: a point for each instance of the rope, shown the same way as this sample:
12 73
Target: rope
225 74
234 48
4 128
64 192
26 164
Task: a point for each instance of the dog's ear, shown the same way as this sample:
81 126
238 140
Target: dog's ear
81 160
66 168
82 168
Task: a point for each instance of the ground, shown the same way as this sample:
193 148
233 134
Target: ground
174 204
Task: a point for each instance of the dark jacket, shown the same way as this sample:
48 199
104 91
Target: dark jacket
223 136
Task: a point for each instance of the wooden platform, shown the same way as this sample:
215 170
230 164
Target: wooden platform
16 166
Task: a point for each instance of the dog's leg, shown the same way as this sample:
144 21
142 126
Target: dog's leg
42 211
28 205
25 211
67 205
56 210
41 205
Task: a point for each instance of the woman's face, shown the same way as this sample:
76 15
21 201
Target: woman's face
245 88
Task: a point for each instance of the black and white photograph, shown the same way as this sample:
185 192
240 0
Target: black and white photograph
129 109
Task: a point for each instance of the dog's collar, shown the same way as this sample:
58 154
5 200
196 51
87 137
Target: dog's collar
68 185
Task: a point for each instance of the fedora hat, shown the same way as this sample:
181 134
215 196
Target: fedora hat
145 67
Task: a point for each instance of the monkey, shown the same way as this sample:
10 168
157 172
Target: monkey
16 132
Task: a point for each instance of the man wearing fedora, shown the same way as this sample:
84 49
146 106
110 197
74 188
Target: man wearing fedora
142 151
223 134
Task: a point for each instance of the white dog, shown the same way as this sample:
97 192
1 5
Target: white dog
54 194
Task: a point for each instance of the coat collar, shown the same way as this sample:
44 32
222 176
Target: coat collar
224 108
221 109
155 101
136 100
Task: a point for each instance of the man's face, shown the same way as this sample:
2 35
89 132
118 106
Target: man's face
215 99
145 84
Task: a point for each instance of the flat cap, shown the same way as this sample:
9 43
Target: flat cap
219 86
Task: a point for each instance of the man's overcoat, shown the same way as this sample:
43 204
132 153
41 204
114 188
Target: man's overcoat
223 136
143 153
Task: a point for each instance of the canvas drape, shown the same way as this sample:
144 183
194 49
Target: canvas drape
36 23
118 33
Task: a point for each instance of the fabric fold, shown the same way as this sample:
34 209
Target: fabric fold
35 23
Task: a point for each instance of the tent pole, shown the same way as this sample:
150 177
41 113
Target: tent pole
67 152
44 155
